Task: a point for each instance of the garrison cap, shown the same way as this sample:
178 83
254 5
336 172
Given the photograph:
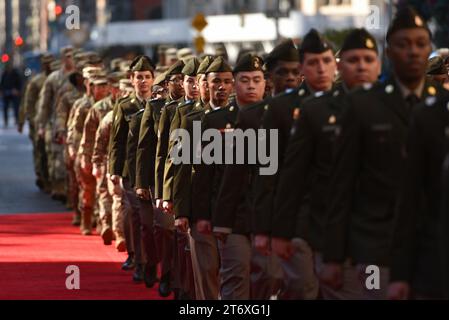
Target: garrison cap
160 79
171 53
249 62
184 53
359 39
99 80
314 42
407 18
219 65
205 63
285 51
142 63
436 66
191 67
176 68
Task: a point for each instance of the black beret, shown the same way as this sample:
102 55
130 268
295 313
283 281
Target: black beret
436 66
191 67
219 65
359 39
285 51
176 68
142 63
314 42
406 18
249 62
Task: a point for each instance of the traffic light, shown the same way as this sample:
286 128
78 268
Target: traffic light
5 58
18 41
58 10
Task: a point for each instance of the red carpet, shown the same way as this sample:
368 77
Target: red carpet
35 251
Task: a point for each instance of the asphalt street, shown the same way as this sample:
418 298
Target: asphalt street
18 191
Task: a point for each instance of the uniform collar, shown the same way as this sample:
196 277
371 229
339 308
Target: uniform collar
406 91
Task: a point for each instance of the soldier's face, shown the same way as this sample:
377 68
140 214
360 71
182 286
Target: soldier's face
319 70
359 66
175 87
249 87
115 92
286 75
220 87
191 88
408 51
142 82
204 88
100 91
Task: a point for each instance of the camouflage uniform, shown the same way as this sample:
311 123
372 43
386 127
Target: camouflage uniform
44 120
28 112
86 149
111 202
85 180
62 117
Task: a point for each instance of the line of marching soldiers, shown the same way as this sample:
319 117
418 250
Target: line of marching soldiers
358 208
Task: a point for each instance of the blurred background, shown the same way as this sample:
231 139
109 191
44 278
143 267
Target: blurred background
119 28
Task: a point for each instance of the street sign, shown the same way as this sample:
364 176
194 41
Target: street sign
199 42
199 22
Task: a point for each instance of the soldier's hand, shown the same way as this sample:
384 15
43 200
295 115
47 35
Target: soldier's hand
115 180
159 203
204 227
182 224
282 247
41 133
143 194
332 275
167 206
262 244
97 172
398 291
72 152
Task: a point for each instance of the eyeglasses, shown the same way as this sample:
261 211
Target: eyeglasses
176 81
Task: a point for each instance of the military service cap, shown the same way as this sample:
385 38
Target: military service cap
115 77
249 62
142 63
115 64
176 68
406 18
125 85
184 53
205 63
436 66
67 51
55 65
171 53
285 51
47 58
191 67
359 39
88 72
219 65
313 42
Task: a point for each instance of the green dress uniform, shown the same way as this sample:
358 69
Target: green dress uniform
416 249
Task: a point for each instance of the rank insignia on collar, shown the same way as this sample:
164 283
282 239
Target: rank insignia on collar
301 92
231 109
430 101
432 91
